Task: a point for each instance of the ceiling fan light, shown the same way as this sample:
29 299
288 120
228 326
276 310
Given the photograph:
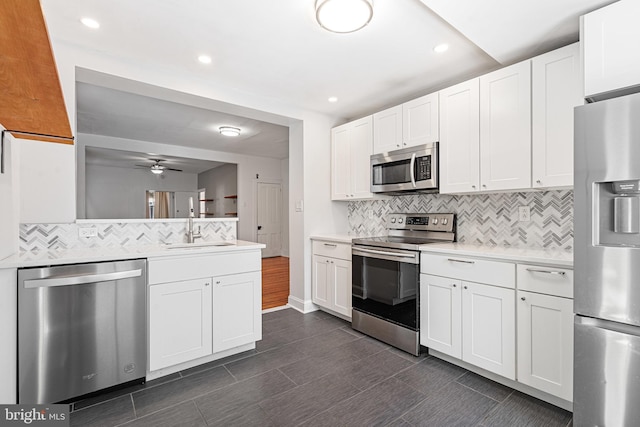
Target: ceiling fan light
157 169
343 16
229 131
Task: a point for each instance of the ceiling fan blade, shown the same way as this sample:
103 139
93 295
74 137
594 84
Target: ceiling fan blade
171 169
144 166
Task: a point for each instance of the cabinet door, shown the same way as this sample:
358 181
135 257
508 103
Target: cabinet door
361 139
341 286
505 128
179 322
609 61
488 328
460 138
545 343
320 276
340 163
556 90
440 314
420 121
387 130
237 317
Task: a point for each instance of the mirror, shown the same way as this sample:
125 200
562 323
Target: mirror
130 185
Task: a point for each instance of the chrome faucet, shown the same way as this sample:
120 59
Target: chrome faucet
191 236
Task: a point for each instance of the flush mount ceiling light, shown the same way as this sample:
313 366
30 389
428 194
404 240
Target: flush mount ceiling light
91 23
205 59
229 131
333 99
441 48
157 169
344 16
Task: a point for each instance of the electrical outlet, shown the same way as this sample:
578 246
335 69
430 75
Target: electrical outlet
524 214
88 232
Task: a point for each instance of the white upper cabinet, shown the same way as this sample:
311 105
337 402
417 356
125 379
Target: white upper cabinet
505 128
351 149
610 62
420 121
412 123
460 138
556 91
387 130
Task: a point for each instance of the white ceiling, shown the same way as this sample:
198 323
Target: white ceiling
130 159
276 50
109 112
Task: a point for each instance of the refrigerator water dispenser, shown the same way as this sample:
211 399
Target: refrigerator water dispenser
618 208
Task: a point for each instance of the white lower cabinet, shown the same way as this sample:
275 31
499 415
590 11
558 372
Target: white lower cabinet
545 330
469 321
180 319
214 310
441 314
235 299
331 276
517 323
489 328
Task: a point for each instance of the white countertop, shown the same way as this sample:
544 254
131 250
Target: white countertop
339 238
75 256
555 257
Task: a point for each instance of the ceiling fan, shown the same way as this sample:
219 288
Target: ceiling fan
157 168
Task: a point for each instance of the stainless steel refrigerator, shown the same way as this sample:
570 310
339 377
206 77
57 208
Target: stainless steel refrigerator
607 263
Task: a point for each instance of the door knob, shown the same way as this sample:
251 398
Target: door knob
259 227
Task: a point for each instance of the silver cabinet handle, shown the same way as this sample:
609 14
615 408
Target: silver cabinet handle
454 285
523 298
461 260
371 251
466 287
81 280
332 245
535 270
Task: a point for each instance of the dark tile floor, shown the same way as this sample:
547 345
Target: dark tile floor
314 370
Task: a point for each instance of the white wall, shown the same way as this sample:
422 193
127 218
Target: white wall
9 199
309 140
220 181
284 168
120 193
46 174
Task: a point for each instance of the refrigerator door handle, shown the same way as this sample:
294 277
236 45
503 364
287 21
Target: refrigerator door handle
608 325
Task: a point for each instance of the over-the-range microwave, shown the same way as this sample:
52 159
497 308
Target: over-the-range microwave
407 169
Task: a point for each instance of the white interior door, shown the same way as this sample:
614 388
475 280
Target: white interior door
181 204
270 218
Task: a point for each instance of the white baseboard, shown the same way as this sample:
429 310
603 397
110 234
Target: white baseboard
302 306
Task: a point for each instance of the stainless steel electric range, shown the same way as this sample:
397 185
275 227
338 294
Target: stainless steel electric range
386 277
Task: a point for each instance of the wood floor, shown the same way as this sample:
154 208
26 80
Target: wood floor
275 282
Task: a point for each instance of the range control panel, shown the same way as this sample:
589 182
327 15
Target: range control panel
427 222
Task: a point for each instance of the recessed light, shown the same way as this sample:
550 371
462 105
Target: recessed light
441 48
90 22
229 131
333 99
205 59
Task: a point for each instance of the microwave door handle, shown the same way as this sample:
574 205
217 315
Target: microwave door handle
412 170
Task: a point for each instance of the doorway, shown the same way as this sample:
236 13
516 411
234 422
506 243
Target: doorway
269 218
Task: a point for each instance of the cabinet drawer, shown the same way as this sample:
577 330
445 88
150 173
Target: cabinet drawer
332 249
172 269
469 269
545 280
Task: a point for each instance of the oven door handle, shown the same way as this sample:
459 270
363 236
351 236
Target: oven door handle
411 256
412 170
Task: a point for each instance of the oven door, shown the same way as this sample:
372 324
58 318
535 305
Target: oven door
413 168
385 284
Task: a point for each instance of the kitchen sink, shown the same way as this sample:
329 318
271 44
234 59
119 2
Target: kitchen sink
197 245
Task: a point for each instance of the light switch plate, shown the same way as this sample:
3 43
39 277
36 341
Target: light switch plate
88 232
524 214
299 206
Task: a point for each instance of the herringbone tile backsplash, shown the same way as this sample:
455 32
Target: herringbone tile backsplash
38 237
489 219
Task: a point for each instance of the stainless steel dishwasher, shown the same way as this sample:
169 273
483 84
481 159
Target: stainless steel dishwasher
81 328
